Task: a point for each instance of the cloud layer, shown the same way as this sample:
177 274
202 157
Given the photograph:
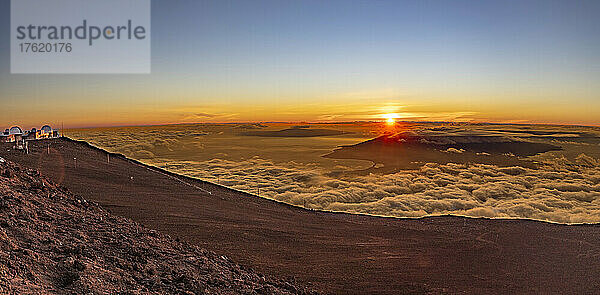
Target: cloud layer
562 192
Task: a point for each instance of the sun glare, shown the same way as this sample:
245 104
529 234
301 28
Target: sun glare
390 119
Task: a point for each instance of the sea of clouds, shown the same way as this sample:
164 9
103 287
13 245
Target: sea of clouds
561 190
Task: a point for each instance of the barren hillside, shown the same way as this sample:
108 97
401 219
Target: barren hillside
52 241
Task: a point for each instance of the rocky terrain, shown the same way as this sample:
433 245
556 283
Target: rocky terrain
54 242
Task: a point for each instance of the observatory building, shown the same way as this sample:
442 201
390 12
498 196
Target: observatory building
16 134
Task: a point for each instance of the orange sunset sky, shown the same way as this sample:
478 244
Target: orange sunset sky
467 61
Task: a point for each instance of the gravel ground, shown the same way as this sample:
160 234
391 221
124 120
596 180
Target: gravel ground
54 242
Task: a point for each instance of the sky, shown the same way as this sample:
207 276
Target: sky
245 61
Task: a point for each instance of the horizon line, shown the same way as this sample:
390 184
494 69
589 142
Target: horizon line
330 122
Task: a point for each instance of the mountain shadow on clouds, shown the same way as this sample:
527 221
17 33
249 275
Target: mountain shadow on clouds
410 150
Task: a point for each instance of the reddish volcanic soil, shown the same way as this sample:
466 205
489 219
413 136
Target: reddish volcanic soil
53 242
334 252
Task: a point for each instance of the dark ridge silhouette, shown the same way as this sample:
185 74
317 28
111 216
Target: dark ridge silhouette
410 151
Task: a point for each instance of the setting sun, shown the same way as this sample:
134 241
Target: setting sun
391 118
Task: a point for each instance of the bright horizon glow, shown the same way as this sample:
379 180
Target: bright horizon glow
389 122
390 119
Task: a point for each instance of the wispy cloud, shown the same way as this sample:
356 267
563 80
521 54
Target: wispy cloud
202 116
